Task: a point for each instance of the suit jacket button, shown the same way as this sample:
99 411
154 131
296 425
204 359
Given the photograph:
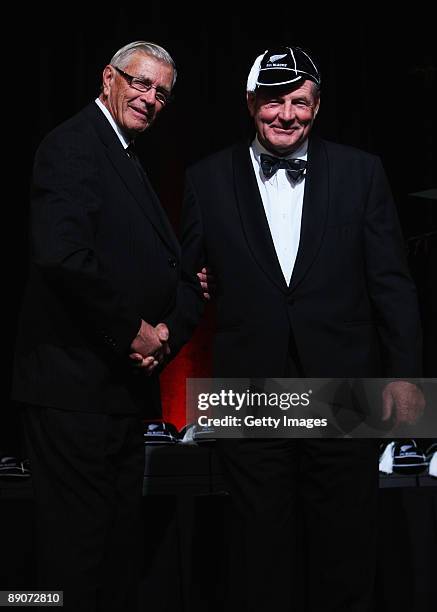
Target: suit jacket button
173 263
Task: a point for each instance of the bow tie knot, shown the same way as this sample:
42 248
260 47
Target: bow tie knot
270 165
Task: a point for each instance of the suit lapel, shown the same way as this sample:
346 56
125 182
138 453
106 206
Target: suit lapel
315 210
142 191
162 215
253 217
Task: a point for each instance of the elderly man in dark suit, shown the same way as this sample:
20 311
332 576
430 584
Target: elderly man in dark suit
104 271
303 239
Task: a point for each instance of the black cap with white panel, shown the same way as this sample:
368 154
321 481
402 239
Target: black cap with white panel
283 66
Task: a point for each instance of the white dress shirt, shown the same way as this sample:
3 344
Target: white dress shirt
123 139
283 202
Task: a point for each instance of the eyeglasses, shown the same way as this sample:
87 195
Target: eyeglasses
162 96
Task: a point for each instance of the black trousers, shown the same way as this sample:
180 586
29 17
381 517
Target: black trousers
87 472
304 510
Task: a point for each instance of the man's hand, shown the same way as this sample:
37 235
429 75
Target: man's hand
403 401
150 346
207 282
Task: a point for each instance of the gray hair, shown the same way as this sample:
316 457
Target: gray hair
122 56
316 89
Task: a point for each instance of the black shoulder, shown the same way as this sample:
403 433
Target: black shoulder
75 132
347 153
219 159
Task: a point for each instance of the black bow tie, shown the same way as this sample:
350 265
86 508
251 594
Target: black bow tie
270 165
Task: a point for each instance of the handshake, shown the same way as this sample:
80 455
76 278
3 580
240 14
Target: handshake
149 347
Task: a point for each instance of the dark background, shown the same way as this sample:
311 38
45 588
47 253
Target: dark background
378 81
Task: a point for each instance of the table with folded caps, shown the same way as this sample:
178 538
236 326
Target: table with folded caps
186 509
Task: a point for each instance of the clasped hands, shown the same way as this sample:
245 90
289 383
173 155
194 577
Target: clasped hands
150 347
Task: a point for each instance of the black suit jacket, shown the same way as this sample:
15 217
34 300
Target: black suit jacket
351 305
103 256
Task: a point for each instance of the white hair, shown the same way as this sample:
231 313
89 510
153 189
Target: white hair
122 56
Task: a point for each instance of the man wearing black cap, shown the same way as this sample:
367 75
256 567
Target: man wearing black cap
303 239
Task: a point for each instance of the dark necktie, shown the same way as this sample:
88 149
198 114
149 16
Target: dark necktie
134 157
270 165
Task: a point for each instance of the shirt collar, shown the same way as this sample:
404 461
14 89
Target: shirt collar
120 133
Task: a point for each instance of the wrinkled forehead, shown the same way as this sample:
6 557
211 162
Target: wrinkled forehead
140 58
150 68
